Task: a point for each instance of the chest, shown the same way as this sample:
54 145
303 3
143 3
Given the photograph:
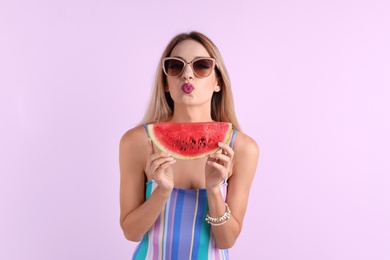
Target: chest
189 174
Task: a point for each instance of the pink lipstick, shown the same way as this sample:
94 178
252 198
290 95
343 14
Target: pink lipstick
187 88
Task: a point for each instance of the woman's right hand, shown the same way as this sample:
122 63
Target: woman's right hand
158 168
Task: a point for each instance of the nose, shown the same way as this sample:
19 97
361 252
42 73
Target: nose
188 73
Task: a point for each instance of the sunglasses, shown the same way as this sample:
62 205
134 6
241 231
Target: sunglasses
202 67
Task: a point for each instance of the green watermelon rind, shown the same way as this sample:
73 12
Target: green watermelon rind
161 147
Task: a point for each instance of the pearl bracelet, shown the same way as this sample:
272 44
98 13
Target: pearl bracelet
221 220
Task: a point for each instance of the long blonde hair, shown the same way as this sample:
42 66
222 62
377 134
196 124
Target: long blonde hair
161 108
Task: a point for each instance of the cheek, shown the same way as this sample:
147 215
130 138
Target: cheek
213 83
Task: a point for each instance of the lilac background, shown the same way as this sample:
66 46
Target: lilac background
311 82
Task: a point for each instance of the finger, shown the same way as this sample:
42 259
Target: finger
159 161
162 168
155 156
216 166
167 164
219 157
226 149
212 157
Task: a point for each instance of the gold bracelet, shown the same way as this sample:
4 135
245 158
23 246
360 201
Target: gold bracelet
221 220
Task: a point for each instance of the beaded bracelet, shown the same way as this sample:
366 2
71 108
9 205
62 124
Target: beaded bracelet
221 220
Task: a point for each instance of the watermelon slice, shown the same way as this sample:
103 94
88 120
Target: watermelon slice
189 141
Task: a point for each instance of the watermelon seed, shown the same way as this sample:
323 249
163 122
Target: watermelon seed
202 143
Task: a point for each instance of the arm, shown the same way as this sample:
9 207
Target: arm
136 156
242 163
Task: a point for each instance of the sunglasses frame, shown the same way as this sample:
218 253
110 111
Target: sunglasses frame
191 64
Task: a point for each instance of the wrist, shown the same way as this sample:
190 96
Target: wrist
164 192
213 191
215 188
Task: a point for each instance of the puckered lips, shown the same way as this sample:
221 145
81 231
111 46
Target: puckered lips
187 88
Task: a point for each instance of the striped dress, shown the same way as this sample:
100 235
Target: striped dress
181 232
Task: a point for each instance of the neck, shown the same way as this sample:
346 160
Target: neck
191 114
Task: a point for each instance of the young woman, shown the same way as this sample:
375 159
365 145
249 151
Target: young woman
182 209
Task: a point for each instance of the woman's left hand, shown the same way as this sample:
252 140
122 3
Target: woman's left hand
218 166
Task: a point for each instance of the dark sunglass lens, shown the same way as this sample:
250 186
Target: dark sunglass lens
173 67
203 67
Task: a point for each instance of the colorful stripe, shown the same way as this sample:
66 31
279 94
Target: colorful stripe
233 138
180 232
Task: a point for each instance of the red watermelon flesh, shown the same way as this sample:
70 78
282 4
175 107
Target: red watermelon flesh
189 141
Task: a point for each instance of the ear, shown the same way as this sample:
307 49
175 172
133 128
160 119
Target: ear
166 89
217 88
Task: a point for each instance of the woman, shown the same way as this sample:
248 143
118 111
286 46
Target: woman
192 85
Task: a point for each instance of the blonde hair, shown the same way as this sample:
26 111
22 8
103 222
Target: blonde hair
161 108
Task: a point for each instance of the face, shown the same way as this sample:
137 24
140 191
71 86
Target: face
188 88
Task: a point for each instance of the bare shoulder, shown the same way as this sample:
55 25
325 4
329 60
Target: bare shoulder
244 145
134 147
246 156
135 136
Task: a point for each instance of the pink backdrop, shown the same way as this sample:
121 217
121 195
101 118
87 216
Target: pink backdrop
311 82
